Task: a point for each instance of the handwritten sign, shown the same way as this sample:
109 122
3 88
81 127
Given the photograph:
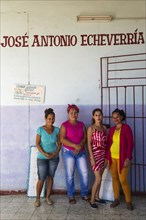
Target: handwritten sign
29 93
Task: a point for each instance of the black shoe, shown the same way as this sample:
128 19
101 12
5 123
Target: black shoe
130 206
94 206
115 203
100 201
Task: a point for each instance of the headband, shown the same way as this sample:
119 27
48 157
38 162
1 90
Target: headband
72 106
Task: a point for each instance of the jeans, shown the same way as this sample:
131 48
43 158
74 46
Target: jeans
47 167
70 161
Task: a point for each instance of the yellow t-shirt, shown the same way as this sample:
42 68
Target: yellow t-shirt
115 148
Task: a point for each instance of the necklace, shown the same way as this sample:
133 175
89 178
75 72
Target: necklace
98 127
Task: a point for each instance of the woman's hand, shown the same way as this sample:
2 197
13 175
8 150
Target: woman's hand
77 149
50 155
126 163
106 164
92 161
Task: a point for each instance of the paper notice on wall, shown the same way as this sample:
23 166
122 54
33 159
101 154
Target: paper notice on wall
106 189
29 93
32 174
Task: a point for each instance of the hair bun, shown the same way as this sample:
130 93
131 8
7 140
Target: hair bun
49 110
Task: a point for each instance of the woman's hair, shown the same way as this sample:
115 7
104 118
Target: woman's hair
49 111
93 112
121 113
72 106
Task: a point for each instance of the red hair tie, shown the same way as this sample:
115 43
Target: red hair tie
72 106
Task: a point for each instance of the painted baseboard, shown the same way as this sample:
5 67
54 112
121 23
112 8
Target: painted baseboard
17 192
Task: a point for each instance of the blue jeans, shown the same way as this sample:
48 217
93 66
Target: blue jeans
47 167
70 161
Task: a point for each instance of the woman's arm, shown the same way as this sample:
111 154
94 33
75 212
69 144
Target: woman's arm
84 140
89 144
58 145
109 143
129 137
129 141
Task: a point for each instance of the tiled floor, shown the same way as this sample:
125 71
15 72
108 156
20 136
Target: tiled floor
20 207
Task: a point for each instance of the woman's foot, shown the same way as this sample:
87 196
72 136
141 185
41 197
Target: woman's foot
37 203
130 206
49 201
115 203
85 198
100 201
72 200
93 205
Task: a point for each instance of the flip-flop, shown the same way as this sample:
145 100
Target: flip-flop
85 198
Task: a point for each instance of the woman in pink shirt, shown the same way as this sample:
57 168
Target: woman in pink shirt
73 139
119 155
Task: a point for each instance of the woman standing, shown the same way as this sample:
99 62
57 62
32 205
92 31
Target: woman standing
97 143
119 154
73 138
48 145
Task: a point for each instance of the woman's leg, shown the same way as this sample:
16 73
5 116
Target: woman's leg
49 184
96 187
115 178
123 176
52 166
69 166
39 187
42 173
81 164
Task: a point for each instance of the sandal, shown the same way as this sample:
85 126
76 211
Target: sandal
49 201
37 203
85 198
115 203
72 201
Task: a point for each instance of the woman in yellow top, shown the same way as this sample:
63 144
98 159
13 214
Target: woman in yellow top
119 155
